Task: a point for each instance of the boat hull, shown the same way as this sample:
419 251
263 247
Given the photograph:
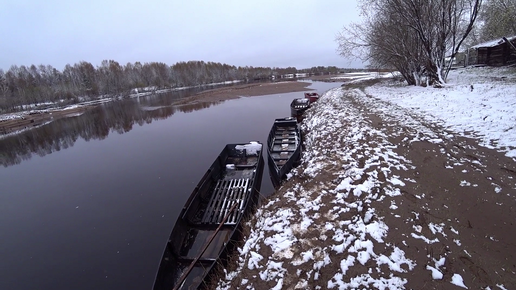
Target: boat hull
283 149
209 225
298 107
313 97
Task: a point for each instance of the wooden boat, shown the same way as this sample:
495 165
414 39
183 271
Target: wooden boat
283 148
210 222
313 97
299 106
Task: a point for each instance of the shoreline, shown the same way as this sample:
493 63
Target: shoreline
384 199
27 120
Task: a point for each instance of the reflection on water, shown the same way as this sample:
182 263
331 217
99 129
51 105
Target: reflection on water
94 124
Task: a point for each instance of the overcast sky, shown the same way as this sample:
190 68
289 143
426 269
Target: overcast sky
273 33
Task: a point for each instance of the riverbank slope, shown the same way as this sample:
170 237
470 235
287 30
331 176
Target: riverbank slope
399 188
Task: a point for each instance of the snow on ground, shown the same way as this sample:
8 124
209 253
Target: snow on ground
353 229
321 230
470 104
359 76
12 116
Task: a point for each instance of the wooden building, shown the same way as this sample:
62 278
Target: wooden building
499 52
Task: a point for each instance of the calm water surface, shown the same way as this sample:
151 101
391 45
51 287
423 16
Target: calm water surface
88 202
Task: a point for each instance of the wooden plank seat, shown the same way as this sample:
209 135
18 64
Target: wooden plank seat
280 151
284 147
285 136
281 155
277 141
285 128
284 140
284 132
280 158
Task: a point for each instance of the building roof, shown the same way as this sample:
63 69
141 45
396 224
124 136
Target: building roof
494 42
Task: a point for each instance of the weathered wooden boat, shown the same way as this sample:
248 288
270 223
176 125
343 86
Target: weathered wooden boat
312 96
209 224
299 106
283 148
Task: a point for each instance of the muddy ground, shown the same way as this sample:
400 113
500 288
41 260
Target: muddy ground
466 190
247 90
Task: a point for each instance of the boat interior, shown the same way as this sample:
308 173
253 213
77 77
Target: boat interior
284 143
210 216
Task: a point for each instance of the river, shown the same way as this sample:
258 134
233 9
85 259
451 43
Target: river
88 202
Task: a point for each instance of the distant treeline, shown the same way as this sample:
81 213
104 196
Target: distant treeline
22 85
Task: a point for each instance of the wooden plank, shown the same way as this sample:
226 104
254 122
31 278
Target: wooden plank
222 208
243 196
225 195
213 202
285 133
233 197
227 199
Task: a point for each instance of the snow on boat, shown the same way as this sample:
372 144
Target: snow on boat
283 148
299 106
313 97
211 219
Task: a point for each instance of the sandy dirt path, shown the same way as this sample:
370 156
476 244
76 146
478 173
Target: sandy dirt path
383 200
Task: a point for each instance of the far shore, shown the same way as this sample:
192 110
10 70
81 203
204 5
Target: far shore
27 119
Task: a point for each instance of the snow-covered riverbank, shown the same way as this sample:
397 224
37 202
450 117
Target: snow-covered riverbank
393 194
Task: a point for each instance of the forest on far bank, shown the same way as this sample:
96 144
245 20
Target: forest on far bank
22 85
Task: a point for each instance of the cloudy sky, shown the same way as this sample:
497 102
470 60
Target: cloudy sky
273 33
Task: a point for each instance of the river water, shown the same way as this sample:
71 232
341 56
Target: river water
88 202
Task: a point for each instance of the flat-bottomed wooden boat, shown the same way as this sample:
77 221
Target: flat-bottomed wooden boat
210 222
283 148
312 96
299 106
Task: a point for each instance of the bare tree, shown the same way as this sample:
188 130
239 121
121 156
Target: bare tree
442 26
413 36
23 85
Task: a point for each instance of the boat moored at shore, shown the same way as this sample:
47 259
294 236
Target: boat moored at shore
210 222
283 148
312 96
299 106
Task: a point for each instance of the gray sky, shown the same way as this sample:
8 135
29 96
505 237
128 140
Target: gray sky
273 33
